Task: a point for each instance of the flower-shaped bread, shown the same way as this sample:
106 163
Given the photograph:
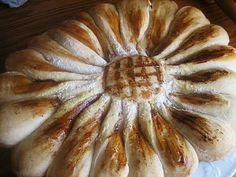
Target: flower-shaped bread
137 89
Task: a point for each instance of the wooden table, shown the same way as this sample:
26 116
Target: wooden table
17 26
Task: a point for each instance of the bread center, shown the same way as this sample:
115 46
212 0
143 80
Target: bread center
136 78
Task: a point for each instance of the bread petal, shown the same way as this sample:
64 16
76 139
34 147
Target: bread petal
18 120
212 139
60 57
142 159
213 81
107 18
75 46
186 21
161 15
33 156
218 106
203 37
109 156
32 64
134 20
86 19
76 154
82 33
17 87
176 154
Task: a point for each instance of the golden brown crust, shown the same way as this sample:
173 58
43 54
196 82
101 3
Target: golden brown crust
200 99
76 152
209 54
86 19
13 79
79 32
134 78
186 20
204 76
110 15
161 16
43 144
41 43
114 160
62 126
88 99
208 136
29 59
135 15
173 147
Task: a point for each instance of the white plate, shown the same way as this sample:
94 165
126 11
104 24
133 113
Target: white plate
221 168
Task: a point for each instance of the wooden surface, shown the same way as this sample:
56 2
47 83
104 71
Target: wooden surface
17 26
